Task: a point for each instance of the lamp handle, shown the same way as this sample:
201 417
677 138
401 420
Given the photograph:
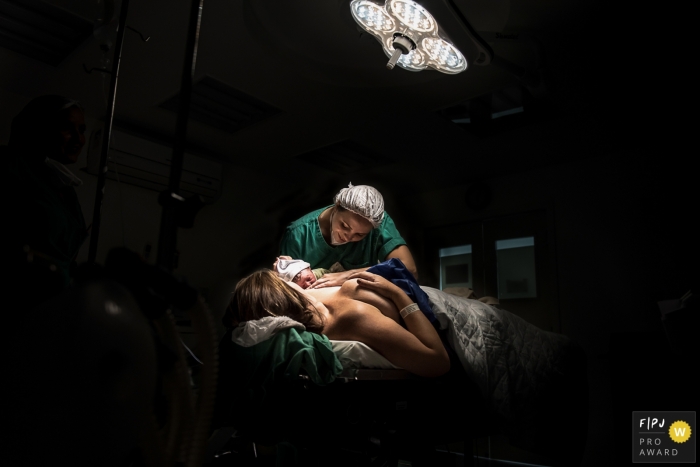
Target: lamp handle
485 52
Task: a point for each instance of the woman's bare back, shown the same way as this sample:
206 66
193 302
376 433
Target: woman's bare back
356 313
350 297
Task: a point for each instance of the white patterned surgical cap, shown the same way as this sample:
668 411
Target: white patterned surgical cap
363 200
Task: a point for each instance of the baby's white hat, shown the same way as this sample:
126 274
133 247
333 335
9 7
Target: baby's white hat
288 268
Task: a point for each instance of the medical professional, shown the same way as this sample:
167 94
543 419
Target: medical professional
41 204
354 232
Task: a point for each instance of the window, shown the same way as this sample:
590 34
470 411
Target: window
456 267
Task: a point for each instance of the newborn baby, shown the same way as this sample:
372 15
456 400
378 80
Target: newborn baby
295 270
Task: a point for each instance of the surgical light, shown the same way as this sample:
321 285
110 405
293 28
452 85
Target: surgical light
409 35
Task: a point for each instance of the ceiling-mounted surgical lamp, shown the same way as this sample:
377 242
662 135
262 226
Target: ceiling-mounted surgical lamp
409 35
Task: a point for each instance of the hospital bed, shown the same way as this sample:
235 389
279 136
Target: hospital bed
507 377
373 413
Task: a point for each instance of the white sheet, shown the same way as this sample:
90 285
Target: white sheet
354 354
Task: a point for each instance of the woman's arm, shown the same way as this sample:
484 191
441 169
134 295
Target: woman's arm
412 350
417 348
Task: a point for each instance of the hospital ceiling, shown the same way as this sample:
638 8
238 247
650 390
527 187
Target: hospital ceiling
282 85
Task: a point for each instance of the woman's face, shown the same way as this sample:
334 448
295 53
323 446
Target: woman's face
346 226
69 138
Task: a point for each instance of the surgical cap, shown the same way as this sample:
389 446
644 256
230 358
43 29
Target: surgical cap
363 200
287 269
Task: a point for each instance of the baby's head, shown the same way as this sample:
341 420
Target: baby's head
296 271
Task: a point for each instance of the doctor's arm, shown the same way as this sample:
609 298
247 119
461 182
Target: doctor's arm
404 254
338 278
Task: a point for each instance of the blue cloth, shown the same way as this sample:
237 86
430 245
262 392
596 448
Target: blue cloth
395 271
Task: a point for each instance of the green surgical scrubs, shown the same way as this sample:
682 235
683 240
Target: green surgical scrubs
303 240
44 217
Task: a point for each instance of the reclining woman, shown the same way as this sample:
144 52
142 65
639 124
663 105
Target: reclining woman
367 308
524 374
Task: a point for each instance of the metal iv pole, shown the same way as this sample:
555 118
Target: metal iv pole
107 135
171 199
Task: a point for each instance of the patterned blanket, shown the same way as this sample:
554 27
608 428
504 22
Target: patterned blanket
533 379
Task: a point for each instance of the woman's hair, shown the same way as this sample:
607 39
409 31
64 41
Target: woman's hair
39 116
263 294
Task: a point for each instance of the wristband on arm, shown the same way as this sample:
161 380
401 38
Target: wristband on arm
409 309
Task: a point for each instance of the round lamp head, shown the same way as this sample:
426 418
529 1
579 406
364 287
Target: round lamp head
397 21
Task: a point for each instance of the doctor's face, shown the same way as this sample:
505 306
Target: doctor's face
346 226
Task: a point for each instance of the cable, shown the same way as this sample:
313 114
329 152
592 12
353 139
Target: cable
190 352
121 201
203 324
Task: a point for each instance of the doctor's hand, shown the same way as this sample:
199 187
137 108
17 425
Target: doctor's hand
332 279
